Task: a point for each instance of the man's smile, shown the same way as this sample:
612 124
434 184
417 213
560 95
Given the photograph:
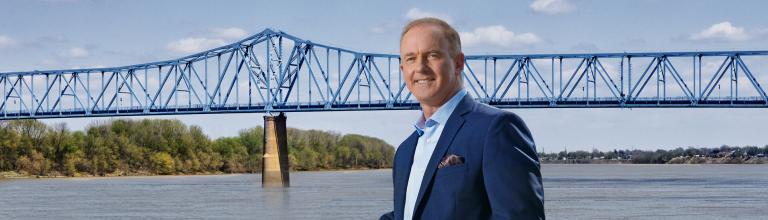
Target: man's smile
423 82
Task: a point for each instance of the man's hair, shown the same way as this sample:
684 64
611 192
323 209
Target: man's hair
449 33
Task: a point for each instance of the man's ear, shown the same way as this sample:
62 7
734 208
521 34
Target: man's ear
459 61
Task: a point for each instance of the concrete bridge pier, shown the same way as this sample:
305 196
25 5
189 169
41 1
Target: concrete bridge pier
274 167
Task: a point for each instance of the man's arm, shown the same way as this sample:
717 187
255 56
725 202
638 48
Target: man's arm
511 171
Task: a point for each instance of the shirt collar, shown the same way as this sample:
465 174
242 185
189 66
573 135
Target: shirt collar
441 115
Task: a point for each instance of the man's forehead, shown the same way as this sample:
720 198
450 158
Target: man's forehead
424 30
423 35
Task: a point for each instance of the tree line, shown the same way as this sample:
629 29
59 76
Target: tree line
726 154
161 146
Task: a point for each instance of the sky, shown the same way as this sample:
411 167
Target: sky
63 34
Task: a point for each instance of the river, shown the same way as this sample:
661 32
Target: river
571 192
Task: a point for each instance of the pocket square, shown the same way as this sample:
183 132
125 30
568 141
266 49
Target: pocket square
450 160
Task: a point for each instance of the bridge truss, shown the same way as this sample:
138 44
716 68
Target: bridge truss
273 71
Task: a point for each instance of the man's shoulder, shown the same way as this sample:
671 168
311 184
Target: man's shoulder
483 116
408 142
485 113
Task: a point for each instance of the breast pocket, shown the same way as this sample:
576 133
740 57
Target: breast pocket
451 170
448 182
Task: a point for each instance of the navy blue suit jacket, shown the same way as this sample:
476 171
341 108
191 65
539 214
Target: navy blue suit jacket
499 179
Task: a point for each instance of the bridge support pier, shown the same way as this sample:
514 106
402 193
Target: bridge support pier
274 169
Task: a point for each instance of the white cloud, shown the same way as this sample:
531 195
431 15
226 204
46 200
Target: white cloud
552 7
215 37
416 13
722 31
6 42
497 35
230 33
194 44
77 52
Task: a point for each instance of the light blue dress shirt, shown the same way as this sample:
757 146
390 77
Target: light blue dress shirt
429 131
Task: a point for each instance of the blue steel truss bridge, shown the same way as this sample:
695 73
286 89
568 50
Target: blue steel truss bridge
273 71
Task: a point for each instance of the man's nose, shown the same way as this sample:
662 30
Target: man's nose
421 66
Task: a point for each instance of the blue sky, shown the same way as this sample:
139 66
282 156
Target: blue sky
61 34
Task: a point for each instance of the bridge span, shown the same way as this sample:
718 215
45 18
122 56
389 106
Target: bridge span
275 72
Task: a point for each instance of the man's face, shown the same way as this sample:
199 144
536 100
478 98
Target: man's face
430 72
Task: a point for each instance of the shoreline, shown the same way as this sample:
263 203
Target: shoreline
676 160
16 175
11 175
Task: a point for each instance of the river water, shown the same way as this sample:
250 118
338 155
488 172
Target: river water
571 191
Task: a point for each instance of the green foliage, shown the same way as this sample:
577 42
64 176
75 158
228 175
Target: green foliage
131 147
313 150
162 163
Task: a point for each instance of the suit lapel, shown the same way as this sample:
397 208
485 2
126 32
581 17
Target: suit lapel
452 126
403 166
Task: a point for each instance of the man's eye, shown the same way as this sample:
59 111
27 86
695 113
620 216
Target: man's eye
434 55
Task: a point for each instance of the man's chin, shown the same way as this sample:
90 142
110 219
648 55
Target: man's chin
422 98
428 102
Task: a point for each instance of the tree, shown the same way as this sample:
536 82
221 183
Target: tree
162 163
159 146
8 147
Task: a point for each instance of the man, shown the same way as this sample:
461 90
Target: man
465 160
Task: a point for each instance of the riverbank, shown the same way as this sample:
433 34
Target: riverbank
25 175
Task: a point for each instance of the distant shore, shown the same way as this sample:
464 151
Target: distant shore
720 155
676 160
